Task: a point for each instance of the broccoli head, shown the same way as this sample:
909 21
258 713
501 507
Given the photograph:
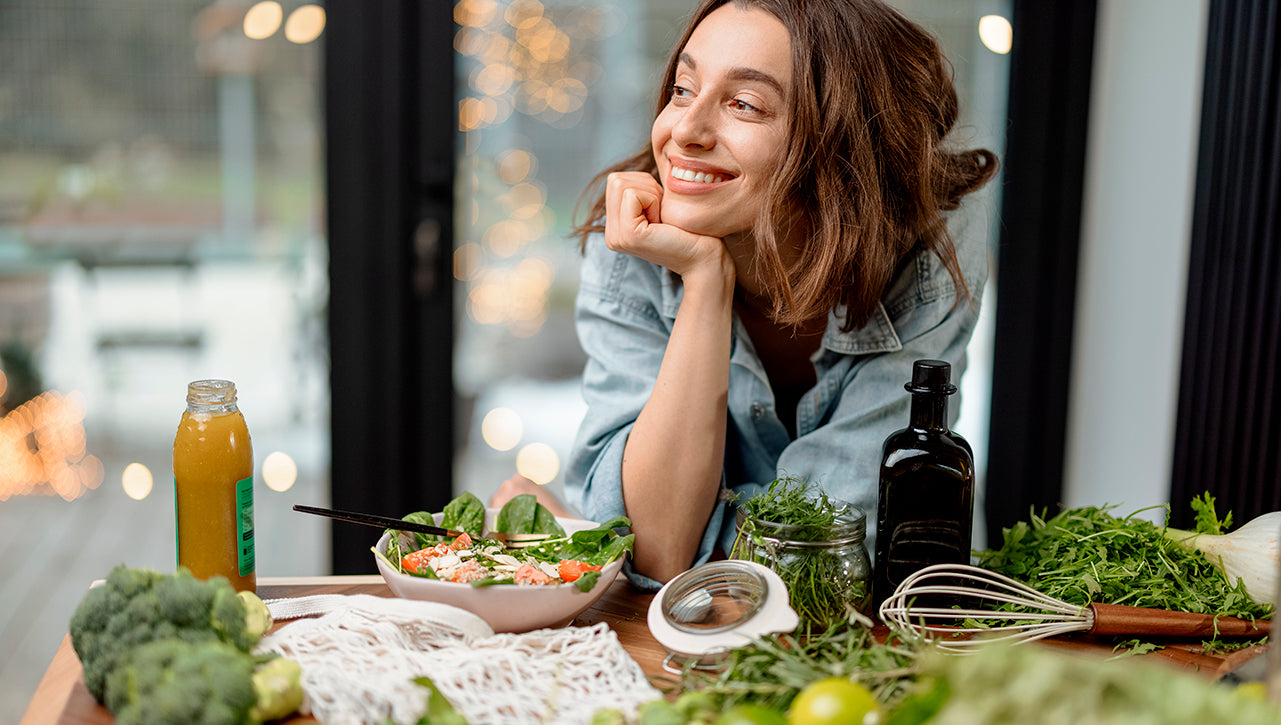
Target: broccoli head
172 682
137 606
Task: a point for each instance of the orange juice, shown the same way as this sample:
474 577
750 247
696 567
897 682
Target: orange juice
213 469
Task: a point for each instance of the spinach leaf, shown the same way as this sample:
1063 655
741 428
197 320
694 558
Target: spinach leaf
464 513
524 515
422 540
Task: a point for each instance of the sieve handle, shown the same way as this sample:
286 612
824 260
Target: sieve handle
1120 619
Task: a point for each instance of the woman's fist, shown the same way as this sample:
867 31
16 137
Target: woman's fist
633 225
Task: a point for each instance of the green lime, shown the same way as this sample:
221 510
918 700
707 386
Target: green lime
832 701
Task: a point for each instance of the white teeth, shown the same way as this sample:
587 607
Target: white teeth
698 177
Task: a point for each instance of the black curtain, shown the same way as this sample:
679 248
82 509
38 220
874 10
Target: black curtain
1228 428
389 107
1050 68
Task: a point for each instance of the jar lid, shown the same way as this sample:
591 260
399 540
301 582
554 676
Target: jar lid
719 606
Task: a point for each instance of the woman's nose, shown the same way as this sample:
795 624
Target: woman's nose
696 125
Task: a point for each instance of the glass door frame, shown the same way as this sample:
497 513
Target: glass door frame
390 126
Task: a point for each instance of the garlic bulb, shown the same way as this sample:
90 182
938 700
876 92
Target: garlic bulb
1251 554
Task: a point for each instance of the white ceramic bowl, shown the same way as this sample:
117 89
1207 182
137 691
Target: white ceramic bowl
506 608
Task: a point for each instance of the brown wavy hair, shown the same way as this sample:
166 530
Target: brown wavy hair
866 177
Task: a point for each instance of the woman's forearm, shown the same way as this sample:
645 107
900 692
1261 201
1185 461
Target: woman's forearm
675 454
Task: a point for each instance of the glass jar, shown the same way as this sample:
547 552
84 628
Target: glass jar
213 472
704 613
826 569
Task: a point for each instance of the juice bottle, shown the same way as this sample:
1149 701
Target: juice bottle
213 472
925 506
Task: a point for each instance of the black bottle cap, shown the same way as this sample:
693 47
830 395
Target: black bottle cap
931 376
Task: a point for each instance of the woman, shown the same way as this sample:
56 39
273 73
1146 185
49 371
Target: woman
758 281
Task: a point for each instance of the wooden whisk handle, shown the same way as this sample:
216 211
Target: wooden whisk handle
1120 619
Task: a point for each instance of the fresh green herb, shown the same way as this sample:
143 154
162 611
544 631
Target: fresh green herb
1085 555
1219 646
1207 521
1001 684
806 510
822 585
771 670
1132 647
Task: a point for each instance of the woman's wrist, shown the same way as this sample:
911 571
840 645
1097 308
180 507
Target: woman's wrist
715 276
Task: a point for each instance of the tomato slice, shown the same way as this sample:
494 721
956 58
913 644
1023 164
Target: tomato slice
570 569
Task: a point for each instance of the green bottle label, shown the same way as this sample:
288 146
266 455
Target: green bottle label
245 525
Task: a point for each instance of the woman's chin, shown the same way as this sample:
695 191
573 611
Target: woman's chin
699 222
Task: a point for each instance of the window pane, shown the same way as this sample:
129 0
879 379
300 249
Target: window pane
161 221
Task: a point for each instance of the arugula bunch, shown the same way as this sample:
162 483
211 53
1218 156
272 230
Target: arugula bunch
1087 554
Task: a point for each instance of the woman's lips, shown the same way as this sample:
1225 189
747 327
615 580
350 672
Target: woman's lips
691 178
698 177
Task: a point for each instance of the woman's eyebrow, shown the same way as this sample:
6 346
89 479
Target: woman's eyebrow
741 74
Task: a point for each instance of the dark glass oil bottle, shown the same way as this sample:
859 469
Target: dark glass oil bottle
925 506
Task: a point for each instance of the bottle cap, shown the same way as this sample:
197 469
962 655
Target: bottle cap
931 376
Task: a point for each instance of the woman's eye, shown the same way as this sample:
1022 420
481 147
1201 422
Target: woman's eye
680 92
743 106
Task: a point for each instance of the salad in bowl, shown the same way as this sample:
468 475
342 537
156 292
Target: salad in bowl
513 589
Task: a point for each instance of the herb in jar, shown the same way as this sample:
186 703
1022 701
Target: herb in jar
814 543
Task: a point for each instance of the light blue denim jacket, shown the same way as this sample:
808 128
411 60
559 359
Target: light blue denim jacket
624 315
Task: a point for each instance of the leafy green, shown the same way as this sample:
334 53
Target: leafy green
524 515
1207 521
419 540
464 513
1001 684
770 671
1085 555
599 545
806 510
822 585
438 710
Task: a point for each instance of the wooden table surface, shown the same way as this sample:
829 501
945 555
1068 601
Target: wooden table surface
62 697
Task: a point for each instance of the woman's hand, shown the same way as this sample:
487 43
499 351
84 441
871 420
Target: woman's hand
517 485
633 226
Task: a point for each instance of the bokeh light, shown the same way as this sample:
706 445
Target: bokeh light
263 20
996 33
501 428
516 165
538 462
305 24
136 481
279 471
475 13
42 448
468 258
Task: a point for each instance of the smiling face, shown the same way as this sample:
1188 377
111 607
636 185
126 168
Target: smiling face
719 140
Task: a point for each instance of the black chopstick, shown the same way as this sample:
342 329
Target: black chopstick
382 522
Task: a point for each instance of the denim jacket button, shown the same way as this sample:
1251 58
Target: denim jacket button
758 411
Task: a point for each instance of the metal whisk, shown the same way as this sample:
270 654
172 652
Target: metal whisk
915 606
